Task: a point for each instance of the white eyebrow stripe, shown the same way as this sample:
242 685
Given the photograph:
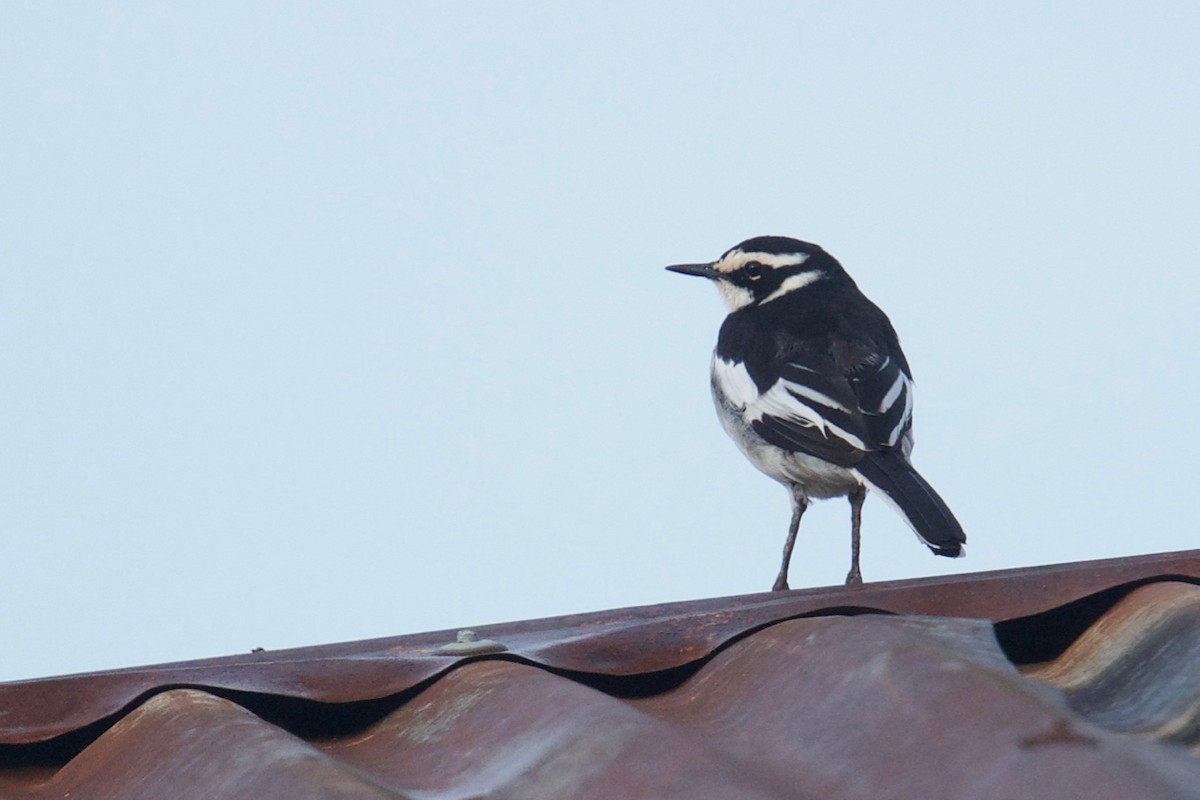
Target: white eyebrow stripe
776 261
734 261
791 284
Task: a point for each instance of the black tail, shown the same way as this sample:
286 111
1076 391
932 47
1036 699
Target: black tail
890 474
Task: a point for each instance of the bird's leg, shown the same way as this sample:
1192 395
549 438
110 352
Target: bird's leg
856 503
799 503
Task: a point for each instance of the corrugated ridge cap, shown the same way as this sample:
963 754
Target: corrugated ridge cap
832 707
621 642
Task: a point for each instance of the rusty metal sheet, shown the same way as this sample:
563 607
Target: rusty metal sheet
186 743
908 707
837 708
506 729
621 642
1137 669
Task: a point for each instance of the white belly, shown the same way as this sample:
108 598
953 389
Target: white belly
814 476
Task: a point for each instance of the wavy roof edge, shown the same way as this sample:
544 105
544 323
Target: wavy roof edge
621 642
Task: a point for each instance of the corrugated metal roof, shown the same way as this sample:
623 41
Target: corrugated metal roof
1088 685
1137 668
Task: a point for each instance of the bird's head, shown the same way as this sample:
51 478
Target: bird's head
764 269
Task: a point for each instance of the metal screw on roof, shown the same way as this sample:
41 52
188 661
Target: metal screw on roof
468 643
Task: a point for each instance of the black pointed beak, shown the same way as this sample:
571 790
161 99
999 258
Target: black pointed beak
703 270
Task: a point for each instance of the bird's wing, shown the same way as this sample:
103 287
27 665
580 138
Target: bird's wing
884 392
820 410
804 410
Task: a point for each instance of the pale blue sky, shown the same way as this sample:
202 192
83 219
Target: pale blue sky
325 322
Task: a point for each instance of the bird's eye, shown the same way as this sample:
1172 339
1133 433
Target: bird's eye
753 270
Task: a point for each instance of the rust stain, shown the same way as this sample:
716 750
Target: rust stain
1061 732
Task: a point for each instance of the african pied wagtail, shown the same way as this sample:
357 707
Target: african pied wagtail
810 382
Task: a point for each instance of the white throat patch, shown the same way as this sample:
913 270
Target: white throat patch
735 297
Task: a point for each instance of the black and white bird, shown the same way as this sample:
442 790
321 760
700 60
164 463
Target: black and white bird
810 382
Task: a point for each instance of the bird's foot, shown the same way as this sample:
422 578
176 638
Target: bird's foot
781 584
854 578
